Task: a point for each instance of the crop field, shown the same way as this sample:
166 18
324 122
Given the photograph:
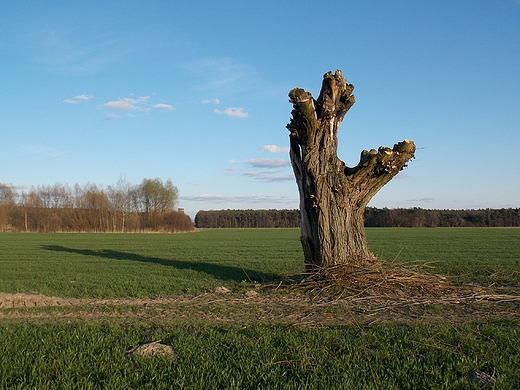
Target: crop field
72 307
144 265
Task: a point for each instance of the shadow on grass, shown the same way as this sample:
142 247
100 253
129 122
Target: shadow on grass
222 272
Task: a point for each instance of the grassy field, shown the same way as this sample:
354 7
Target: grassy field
148 265
473 255
84 356
144 265
276 340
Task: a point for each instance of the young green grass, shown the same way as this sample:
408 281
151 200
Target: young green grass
144 265
485 256
215 348
148 265
62 356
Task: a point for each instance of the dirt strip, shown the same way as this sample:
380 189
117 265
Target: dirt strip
30 300
273 308
37 300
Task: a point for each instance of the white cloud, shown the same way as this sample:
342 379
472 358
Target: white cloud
83 97
275 149
111 116
233 112
210 101
120 105
426 200
254 199
78 99
268 176
270 169
267 162
136 104
206 198
140 99
165 106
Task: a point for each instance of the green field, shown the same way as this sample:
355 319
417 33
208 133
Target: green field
148 265
279 340
144 265
257 357
474 255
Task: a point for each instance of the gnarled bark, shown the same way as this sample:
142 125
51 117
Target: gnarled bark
333 196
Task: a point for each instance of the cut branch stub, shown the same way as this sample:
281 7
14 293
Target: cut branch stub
333 196
303 125
335 97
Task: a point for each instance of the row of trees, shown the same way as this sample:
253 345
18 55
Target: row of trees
417 217
374 217
247 219
148 206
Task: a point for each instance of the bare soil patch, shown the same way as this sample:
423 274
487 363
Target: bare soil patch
337 296
30 300
270 306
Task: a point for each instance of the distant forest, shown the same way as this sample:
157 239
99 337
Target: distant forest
145 207
374 217
150 207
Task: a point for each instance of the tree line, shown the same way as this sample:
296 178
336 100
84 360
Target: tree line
418 217
247 219
374 217
145 207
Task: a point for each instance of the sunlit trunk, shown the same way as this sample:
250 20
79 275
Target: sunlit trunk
333 196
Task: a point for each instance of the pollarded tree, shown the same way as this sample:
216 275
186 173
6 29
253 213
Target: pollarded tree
333 196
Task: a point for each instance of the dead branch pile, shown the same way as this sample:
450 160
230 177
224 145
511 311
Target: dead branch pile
364 279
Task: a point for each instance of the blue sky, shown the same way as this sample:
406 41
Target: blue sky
197 92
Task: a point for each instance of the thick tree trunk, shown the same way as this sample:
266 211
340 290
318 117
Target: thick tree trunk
333 196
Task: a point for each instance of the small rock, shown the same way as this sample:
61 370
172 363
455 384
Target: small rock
481 379
152 349
221 290
251 294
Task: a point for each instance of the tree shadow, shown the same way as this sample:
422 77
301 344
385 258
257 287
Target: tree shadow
218 271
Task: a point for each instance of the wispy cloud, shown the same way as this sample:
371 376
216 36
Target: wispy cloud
226 75
165 106
269 170
401 175
252 199
422 200
275 149
111 116
210 101
229 78
120 105
269 176
78 99
64 49
232 112
267 162
141 103
44 151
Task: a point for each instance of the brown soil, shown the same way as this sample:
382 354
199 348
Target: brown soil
30 300
269 307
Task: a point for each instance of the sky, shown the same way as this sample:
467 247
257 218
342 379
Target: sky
196 92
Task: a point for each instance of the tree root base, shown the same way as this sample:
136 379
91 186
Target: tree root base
374 278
